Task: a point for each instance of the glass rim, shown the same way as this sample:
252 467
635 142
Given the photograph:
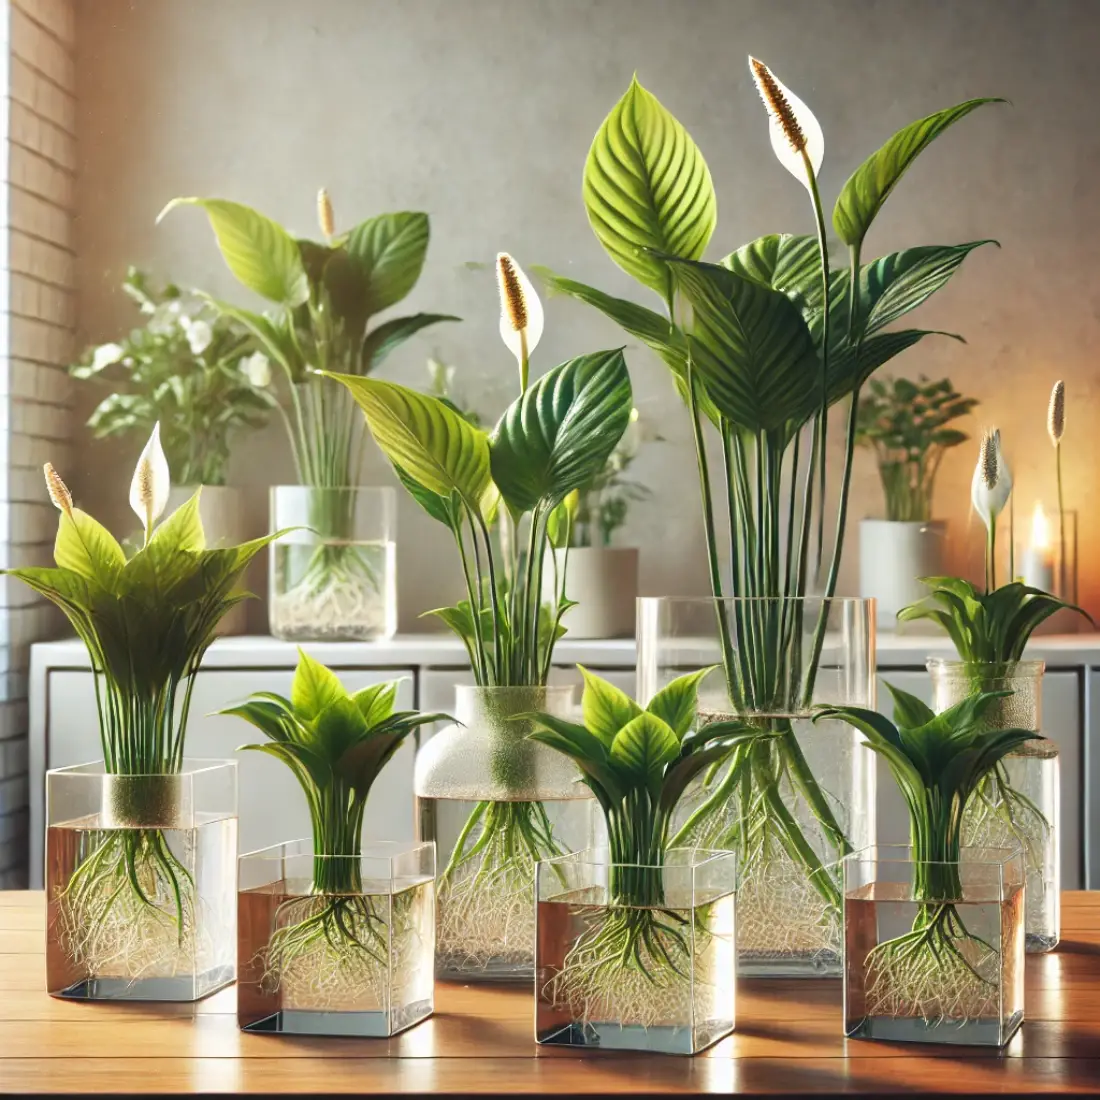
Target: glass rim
384 490
371 850
191 766
871 854
1021 667
864 600
710 858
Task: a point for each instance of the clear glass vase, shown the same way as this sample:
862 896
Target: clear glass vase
802 796
334 579
496 803
1018 803
336 945
140 882
634 957
934 952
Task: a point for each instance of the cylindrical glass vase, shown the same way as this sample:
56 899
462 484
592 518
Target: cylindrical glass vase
496 803
1018 803
334 578
140 882
802 795
351 957
674 993
934 952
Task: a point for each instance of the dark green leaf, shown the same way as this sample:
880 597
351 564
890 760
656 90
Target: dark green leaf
384 338
389 250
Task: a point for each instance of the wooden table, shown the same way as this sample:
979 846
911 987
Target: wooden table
788 1039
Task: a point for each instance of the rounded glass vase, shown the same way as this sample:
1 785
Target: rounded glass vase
496 804
801 796
333 576
1017 804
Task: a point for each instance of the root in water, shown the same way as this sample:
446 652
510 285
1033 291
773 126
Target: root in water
486 895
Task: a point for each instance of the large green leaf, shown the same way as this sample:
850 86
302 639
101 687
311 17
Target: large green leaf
559 434
751 348
182 530
376 702
315 688
848 370
260 252
84 546
783 262
429 442
644 746
606 709
870 185
444 509
384 338
389 250
675 702
647 187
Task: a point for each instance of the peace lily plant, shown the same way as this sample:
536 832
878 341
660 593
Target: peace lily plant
326 295
762 345
504 496
146 623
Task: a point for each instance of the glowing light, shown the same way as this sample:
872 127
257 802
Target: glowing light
1040 529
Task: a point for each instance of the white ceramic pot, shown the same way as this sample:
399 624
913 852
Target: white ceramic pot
604 582
223 521
892 556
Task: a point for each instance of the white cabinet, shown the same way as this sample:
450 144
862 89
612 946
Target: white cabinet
1062 723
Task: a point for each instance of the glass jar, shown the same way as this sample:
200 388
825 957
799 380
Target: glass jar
496 803
803 795
961 981
334 579
354 962
140 882
676 993
1018 803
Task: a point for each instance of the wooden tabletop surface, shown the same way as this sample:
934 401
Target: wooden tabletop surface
788 1039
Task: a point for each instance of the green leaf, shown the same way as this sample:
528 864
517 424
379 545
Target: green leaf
86 547
908 709
559 525
389 250
261 253
314 688
182 530
376 703
644 746
781 261
647 188
434 446
337 726
751 348
384 338
275 339
267 717
606 709
675 702
443 509
559 434
870 185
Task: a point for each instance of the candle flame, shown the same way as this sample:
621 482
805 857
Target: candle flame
1040 529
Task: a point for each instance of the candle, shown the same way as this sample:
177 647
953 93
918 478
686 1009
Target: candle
1038 569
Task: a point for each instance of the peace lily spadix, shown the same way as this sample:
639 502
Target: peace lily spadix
761 345
151 484
990 489
521 316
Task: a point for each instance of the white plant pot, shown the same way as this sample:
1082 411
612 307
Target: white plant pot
220 509
604 582
892 556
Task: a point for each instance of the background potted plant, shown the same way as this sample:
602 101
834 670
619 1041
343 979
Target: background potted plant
955 975
636 941
762 346
198 375
335 578
495 803
905 424
335 937
139 878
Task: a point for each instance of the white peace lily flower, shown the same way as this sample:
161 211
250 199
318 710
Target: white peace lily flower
794 129
521 310
257 368
199 335
106 354
151 483
991 485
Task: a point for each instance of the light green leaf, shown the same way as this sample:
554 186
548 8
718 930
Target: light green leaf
376 703
559 434
751 348
182 530
389 250
646 187
384 338
870 185
559 526
644 746
261 253
909 711
675 702
314 688
266 716
86 547
432 444
606 709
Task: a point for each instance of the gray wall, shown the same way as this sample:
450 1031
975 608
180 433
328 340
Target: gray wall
481 112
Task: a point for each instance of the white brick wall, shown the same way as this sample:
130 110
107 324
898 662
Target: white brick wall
37 306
